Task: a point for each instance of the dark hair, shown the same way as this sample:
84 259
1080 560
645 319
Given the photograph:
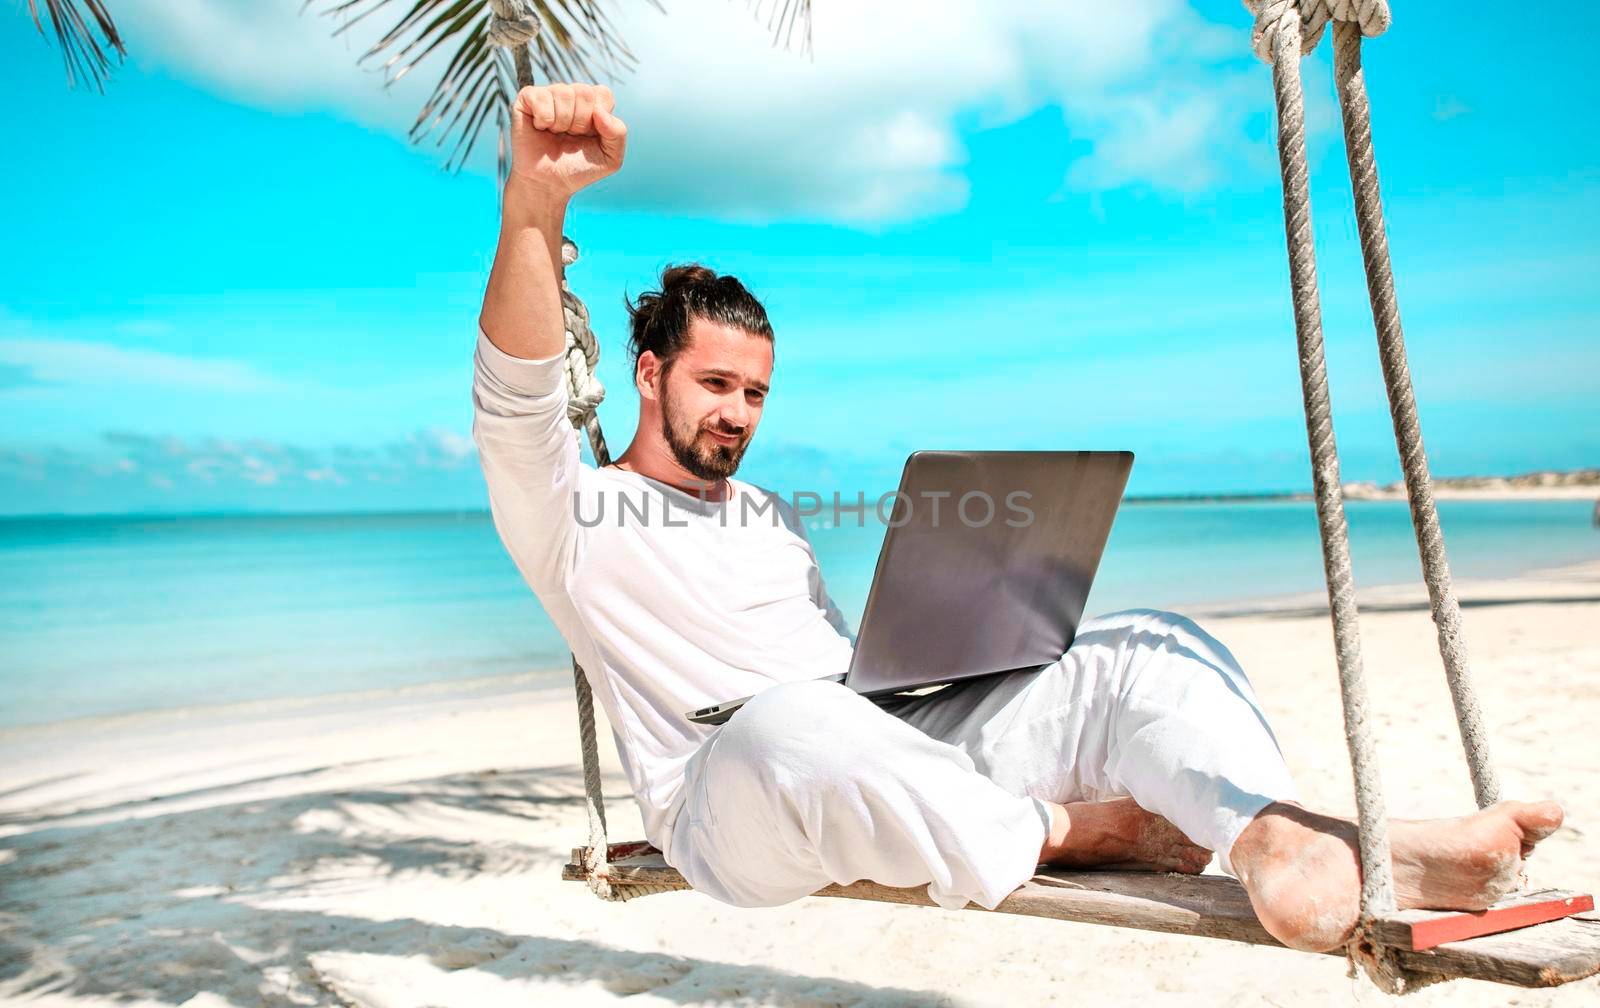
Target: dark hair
659 320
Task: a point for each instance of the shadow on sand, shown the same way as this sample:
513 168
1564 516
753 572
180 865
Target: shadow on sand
224 900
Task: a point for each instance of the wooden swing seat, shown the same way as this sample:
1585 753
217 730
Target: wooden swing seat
1542 939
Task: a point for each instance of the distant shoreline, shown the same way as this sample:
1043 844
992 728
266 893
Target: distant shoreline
1548 485
1366 492
1574 484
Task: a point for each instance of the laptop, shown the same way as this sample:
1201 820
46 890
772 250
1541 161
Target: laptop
984 569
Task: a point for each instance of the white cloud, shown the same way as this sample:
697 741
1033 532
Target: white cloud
180 465
81 362
272 53
864 130
1143 139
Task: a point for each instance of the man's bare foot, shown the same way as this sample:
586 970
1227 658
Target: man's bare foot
1118 834
1302 871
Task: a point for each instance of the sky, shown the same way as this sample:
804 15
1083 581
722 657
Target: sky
230 283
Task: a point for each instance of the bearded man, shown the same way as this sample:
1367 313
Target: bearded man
1142 747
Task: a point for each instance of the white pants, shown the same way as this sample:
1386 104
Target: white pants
810 783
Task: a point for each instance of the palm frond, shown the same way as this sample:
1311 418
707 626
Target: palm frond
86 57
579 41
784 19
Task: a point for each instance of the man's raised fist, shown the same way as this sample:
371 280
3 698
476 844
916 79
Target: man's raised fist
564 136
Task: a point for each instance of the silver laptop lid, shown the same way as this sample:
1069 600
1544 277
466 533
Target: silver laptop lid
986 564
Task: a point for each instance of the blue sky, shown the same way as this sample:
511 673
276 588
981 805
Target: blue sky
229 282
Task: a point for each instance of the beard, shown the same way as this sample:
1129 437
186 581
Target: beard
699 454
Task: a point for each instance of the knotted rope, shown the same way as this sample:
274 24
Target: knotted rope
512 24
1278 26
1284 30
1312 16
585 393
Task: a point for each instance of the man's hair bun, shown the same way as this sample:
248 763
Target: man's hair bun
659 320
674 277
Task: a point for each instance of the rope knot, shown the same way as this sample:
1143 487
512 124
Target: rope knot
584 391
513 22
1381 965
1309 18
1371 15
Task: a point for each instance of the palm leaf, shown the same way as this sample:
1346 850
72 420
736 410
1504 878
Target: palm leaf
785 18
84 54
579 41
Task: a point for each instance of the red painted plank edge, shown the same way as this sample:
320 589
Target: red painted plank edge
1455 927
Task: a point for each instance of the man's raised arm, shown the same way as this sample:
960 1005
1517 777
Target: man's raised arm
563 137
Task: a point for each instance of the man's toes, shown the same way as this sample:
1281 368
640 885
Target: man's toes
1537 820
1186 859
1194 860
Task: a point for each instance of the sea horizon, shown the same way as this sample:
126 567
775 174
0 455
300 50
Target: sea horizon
261 512
1443 483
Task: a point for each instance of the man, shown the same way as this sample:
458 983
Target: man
678 586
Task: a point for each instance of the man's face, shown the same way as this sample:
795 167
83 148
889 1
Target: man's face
711 398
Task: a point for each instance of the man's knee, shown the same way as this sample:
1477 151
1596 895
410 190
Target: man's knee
795 722
1147 645
1133 622
1106 642
788 701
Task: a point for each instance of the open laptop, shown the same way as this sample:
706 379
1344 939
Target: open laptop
985 568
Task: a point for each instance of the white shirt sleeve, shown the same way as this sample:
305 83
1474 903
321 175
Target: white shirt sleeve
529 454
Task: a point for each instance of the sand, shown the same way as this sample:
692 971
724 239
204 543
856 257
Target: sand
402 848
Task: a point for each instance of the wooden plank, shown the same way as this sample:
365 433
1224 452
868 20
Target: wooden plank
1545 955
1212 906
626 863
1424 929
1206 906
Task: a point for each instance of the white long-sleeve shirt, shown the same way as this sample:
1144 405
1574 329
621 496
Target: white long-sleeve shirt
669 602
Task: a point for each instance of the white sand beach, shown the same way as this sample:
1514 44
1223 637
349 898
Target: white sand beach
402 849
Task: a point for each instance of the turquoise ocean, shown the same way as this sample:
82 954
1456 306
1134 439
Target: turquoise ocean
121 614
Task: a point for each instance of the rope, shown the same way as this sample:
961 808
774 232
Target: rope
512 24
1446 610
584 391
1278 38
1311 17
584 395
1278 24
